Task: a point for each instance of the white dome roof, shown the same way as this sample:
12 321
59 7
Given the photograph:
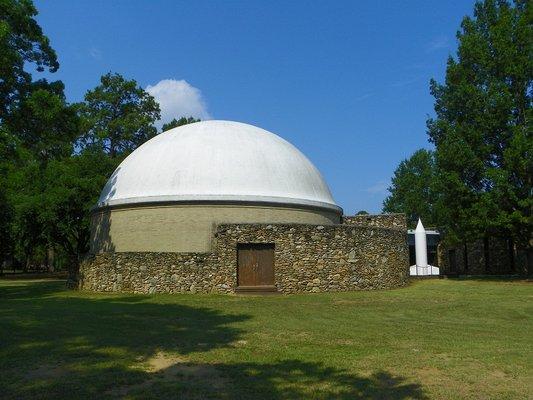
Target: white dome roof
217 161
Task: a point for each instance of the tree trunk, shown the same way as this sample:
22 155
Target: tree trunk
486 253
512 265
465 254
73 272
50 259
529 262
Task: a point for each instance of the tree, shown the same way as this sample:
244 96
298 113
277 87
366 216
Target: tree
119 116
411 191
22 42
178 122
32 123
361 212
55 157
45 127
73 185
482 129
43 121
7 151
25 187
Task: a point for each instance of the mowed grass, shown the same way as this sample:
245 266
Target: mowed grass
443 339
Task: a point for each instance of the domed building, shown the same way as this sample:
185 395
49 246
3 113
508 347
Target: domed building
171 193
221 206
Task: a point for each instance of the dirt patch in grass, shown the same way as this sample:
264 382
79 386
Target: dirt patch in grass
162 361
168 368
240 343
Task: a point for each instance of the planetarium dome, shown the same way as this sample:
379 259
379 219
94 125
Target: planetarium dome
171 193
217 161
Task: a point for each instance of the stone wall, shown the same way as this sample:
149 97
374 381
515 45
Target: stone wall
149 272
308 258
316 258
380 220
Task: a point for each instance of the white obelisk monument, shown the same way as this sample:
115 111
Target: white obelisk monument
421 249
421 252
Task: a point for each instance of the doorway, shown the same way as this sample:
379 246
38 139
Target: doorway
255 266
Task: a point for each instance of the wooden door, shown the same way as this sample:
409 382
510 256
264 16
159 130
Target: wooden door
255 264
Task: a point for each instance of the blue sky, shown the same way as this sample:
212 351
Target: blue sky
345 82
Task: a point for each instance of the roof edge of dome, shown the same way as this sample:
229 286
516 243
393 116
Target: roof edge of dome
137 201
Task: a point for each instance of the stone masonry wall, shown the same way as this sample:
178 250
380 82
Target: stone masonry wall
380 221
146 272
308 258
311 258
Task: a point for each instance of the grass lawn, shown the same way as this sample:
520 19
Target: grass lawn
444 339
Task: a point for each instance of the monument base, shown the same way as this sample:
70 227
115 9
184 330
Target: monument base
415 270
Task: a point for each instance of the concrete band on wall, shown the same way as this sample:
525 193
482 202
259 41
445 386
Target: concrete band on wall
188 227
308 258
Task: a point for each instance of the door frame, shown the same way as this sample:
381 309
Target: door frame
255 288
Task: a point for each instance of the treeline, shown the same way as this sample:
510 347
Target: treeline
477 183
55 156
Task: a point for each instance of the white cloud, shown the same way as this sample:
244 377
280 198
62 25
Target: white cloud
178 98
403 83
438 43
95 53
363 96
379 188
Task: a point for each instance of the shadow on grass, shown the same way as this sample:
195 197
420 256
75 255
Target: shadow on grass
288 379
492 278
64 345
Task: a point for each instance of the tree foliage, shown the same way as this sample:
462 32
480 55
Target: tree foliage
411 190
478 182
22 42
119 116
73 185
50 176
60 158
483 162
33 119
482 129
44 123
178 122
7 150
55 157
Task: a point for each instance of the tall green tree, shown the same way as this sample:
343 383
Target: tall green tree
55 157
25 188
46 127
178 122
33 123
73 185
44 123
411 190
116 117
22 43
7 153
119 116
482 129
